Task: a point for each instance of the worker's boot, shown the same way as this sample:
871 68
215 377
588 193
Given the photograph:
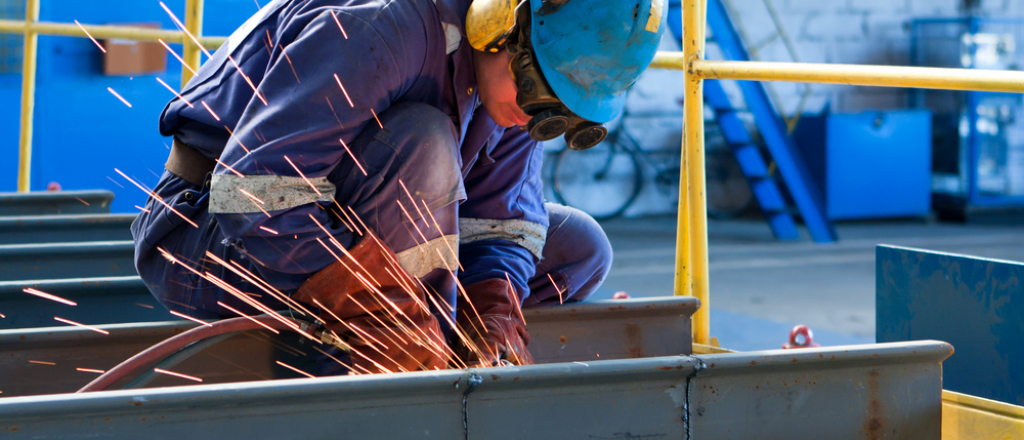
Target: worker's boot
494 323
381 312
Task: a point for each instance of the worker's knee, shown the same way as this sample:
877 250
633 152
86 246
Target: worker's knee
577 254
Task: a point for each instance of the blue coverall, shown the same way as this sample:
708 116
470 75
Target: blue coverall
315 92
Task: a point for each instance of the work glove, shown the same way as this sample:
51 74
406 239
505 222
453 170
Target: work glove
382 313
494 322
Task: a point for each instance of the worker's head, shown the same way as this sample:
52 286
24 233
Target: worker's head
571 61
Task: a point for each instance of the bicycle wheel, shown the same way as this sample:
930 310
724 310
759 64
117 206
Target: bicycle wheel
602 181
728 193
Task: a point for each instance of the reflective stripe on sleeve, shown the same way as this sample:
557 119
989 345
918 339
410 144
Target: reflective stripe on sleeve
231 194
526 234
439 253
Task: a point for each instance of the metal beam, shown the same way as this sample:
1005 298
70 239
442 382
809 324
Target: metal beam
56 202
65 228
67 260
111 300
820 393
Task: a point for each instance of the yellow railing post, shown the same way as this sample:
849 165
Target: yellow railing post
692 239
28 95
194 25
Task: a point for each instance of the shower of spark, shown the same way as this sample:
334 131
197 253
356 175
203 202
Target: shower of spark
183 376
296 370
378 119
48 296
125 101
157 198
344 91
91 370
175 92
269 230
78 324
557 289
210 110
247 317
97 43
343 33
42 362
317 191
183 63
353 156
142 209
182 315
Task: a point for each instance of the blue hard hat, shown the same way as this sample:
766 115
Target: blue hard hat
591 51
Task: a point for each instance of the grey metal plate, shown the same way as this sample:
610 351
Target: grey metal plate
614 329
67 260
112 300
65 228
756 395
58 202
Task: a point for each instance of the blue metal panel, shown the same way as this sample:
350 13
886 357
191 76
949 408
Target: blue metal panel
82 132
976 304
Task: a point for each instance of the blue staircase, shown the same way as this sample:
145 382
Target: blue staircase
782 150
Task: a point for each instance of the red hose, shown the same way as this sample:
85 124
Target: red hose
173 344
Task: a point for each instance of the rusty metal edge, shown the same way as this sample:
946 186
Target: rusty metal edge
773 360
618 308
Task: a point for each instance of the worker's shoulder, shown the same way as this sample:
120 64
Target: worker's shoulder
386 16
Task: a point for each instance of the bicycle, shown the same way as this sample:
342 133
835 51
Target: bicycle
605 180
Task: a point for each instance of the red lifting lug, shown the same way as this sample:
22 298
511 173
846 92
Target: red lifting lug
800 336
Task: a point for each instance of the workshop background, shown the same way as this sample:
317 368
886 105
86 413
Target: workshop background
894 165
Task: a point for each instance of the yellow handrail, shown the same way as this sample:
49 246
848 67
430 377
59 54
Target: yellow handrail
31 27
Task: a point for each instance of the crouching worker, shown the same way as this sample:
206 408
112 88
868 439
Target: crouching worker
377 162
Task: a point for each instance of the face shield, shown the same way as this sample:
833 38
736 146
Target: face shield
495 25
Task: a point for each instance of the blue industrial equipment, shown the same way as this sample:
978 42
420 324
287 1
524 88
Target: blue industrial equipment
978 158
973 303
870 164
782 151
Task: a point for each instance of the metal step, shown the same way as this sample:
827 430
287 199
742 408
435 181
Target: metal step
890 391
67 260
65 228
55 202
111 300
598 330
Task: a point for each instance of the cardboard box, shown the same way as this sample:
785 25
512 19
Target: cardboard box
127 57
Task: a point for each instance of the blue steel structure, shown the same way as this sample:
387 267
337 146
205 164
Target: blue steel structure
782 150
935 43
976 304
82 131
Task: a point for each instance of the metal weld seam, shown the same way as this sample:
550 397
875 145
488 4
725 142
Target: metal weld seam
686 396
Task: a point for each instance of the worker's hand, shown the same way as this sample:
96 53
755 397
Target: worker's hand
497 89
494 324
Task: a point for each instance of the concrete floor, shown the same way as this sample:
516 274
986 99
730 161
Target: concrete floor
761 287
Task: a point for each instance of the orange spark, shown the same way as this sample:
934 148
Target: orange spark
303 176
41 362
557 289
334 112
229 166
48 296
248 80
354 227
144 305
91 370
414 205
3 316
343 144
268 230
175 92
83 201
296 370
344 91
68 321
237 140
249 195
210 110
400 205
515 297
157 198
289 59
248 317
141 208
171 373
97 43
182 315
343 33
125 101
378 119
185 30
183 63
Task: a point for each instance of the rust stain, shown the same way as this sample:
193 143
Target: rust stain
562 338
635 341
874 426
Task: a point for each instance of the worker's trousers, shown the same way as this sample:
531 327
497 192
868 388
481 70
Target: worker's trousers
576 256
